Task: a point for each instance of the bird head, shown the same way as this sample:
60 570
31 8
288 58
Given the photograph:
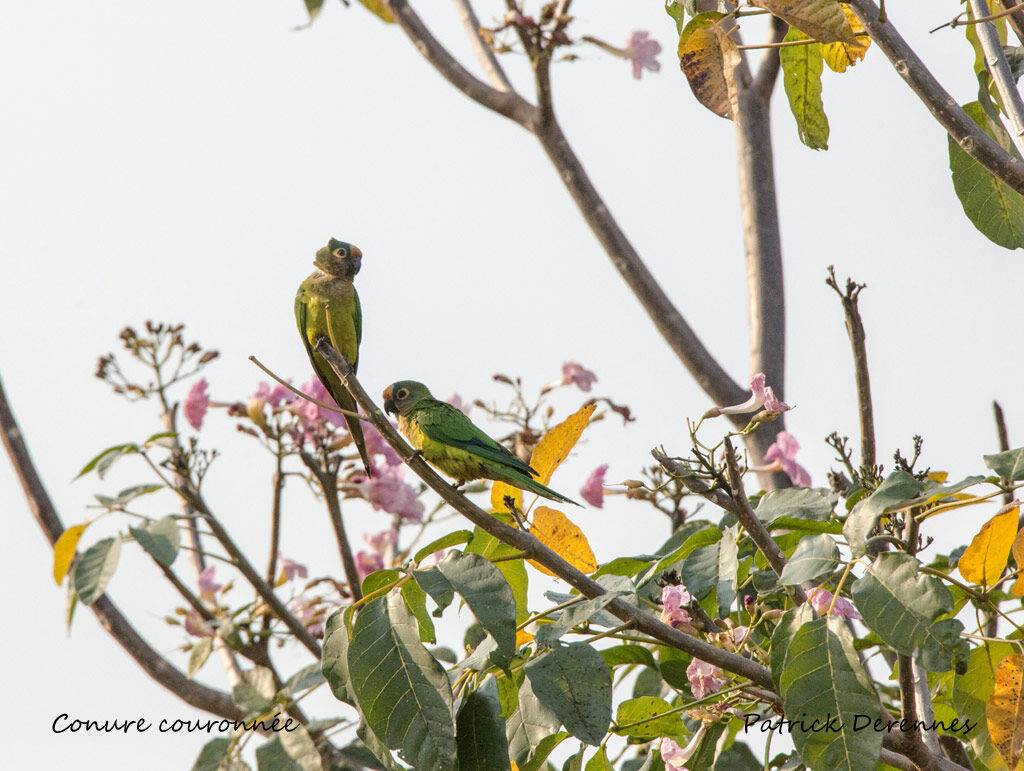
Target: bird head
339 259
401 397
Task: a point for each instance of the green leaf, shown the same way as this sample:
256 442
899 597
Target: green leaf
549 634
820 677
445 541
289 751
102 462
972 689
213 752
334 662
943 647
487 594
1008 465
832 526
728 568
703 537
400 688
198 655
628 654
699 571
161 539
678 14
416 601
313 8
802 66
815 556
378 579
897 602
255 691
898 489
599 762
530 726
95 568
128 494
433 582
480 735
546 746
992 206
576 684
514 570
795 503
645 718
938 492
306 678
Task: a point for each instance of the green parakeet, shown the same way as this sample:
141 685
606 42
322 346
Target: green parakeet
327 305
450 441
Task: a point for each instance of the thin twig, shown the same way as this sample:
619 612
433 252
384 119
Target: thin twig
999 69
307 397
855 331
484 53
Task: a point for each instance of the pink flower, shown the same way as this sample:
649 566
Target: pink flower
375 445
196 403
674 599
367 562
593 489
310 613
575 374
196 625
311 413
207 586
641 51
784 451
275 395
822 599
760 396
387 491
291 568
704 678
674 756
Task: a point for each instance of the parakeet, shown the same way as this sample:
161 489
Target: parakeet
327 305
450 441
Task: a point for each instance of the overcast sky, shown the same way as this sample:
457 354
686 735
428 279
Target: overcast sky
184 161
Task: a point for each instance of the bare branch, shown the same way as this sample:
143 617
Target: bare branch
507 103
999 69
327 478
768 72
855 331
484 53
110 618
965 132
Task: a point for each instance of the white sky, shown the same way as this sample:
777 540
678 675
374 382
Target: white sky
183 162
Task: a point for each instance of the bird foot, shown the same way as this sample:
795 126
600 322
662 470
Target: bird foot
415 454
457 486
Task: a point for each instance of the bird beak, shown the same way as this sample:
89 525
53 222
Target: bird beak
389 406
356 254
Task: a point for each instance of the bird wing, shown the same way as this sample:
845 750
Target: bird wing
444 423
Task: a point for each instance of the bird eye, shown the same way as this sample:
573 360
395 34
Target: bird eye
340 253
402 393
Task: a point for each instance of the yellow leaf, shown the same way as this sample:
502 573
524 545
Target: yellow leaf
1018 556
1005 712
985 558
556 444
821 19
558 533
64 551
522 637
498 492
839 56
935 476
707 56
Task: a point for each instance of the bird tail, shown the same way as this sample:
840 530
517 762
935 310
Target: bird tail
544 492
355 427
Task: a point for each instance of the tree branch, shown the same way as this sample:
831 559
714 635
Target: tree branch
999 69
855 331
965 132
484 53
110 618
507 103
768 72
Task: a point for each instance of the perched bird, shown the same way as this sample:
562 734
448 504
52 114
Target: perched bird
449 440
327 305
